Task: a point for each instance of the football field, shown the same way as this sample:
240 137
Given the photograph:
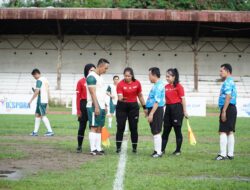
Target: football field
51 162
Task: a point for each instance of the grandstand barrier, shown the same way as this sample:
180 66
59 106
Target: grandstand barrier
196 106
16 104
209 86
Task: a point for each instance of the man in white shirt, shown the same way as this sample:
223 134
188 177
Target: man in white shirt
96 106
42 94
112 99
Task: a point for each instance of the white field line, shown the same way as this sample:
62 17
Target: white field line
119 178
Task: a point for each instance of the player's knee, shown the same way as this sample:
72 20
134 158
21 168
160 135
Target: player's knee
93 129
38 116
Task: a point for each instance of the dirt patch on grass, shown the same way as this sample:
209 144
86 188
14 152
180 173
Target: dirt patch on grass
40 157
234 178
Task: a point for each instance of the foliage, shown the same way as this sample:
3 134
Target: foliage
236 5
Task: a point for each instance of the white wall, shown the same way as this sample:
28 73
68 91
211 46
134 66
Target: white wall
79 50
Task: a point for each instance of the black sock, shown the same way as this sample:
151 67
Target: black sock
178 144
164 144
119 138
80 140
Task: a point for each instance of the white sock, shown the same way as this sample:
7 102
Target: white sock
37 124
230 144
47 123
92 139
98 142
157 143
110 121
223 144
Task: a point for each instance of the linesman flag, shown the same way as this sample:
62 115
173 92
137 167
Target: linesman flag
191 136
105 137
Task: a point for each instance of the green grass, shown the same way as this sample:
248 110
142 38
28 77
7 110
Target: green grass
62 108
194 169
11 152
58 108
213 109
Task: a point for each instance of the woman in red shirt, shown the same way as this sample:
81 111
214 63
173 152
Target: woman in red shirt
175 110
81 102
127 107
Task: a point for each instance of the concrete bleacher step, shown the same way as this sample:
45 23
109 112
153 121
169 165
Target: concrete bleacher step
21 83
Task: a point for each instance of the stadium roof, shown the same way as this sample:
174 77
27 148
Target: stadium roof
124 14
108 21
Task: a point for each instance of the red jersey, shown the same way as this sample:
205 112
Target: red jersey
129 91
81 93
174 94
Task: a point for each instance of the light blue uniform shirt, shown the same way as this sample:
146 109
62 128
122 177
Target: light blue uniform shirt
228 88
156 94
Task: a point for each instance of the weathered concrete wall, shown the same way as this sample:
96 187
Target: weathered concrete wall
23 53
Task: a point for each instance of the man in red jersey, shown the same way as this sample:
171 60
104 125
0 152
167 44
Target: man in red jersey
81 102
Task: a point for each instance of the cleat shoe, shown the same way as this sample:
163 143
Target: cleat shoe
79 149
100 153
176 153
230 157
153 153
219 157
33 134
118 151
93 153
157 155
49 134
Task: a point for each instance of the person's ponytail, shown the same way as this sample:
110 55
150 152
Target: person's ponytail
87 68
176 80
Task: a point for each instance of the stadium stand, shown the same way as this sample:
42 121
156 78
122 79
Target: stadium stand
209 86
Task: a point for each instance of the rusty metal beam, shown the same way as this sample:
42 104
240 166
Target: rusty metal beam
59 56
195 41
127 43
124 14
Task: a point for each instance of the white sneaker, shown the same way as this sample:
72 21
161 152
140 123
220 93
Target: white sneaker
49 134
93 153
33 134
156 155
219 157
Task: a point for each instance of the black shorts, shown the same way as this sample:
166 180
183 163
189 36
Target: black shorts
229 124
83 104
173 115
156 124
